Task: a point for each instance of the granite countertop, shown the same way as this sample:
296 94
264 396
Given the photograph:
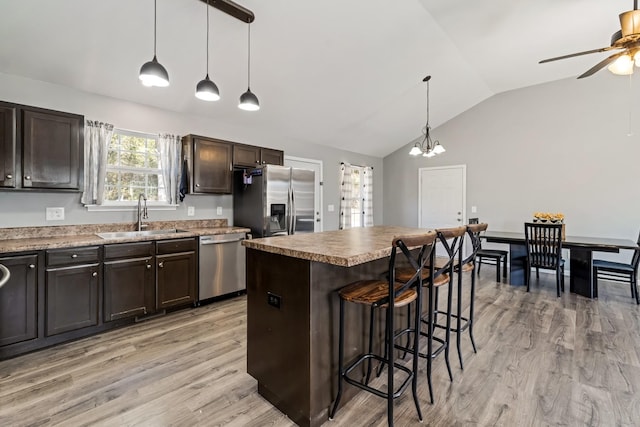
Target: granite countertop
38 238
344 247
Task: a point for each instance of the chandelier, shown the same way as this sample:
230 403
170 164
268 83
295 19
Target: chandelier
427 147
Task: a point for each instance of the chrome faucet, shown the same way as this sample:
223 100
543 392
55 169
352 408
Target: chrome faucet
142 211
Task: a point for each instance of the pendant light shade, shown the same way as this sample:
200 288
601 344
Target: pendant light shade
206 89
152 73
248 100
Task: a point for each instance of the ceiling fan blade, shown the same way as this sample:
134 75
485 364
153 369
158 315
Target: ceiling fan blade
571 55
600 65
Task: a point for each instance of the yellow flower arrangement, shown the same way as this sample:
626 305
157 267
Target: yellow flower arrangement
548 216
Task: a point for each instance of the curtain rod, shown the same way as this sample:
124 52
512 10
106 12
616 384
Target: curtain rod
360 166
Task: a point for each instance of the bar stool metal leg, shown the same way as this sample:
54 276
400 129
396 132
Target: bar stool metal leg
340 363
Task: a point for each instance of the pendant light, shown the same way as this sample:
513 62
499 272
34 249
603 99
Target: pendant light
427 147
152 73
206 89
248 100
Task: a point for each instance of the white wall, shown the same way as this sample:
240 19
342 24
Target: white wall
28 209
558 147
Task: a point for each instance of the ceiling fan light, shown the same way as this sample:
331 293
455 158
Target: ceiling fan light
415 151
636 58
623 66
152 73
207 90
248 101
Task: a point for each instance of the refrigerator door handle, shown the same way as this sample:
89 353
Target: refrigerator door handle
293 212
290 213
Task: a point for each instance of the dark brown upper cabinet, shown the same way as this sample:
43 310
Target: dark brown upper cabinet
51 150
252 156
8 140
209 162
42 149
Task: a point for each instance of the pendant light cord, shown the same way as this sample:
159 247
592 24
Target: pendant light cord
249 58
207 38
155 23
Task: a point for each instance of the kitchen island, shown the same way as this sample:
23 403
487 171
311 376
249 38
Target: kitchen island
292 313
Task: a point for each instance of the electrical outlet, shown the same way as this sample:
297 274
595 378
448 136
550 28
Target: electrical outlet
331 208
55 214
274 300
219 210
191 210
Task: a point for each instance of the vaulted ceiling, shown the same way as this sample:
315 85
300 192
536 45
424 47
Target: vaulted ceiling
342 73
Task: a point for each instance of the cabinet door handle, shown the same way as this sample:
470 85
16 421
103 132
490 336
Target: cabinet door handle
148 266
161 264
9 176
74 256
28 178
197 185
258 162
94 274
32 266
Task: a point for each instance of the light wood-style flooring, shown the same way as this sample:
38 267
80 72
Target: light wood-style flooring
541 361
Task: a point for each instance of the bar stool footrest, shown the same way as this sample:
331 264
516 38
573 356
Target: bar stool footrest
362 385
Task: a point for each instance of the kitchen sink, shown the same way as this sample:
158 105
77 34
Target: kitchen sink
128 234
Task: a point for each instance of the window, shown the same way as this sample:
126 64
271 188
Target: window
133 168
356 196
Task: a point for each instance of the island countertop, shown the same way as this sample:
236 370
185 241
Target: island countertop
344 248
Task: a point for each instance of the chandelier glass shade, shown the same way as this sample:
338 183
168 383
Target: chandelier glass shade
426 146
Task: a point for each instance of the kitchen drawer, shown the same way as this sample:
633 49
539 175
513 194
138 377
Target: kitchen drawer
128 250
83 255
176 245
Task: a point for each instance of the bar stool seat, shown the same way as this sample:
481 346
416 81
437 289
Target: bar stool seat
387 294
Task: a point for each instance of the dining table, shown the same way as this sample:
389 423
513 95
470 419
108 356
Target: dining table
581 249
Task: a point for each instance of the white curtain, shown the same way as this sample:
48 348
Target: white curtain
170 153
346 195
97 136
367 196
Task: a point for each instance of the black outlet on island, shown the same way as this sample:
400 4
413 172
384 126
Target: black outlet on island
274 300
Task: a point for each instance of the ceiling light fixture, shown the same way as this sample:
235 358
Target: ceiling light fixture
152 73
206 89
427 147
248 100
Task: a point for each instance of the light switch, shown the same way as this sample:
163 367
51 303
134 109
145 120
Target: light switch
191 210
474 209
55 214
331 208
219 210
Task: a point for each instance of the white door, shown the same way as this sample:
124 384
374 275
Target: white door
316 166
442 192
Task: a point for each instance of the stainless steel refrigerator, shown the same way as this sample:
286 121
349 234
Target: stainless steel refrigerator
274 200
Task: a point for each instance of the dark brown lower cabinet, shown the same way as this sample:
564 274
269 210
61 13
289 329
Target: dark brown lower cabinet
71 297
128 288
19 300
176 279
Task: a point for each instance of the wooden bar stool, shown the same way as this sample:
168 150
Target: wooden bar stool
441 275
377 294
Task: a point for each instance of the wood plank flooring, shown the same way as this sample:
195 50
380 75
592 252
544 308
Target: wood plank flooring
541 361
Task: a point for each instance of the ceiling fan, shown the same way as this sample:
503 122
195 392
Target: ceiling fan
626 40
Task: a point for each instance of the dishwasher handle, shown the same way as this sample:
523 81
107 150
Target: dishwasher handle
215 240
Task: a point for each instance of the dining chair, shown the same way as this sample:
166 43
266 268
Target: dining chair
619 272
493 257
544 250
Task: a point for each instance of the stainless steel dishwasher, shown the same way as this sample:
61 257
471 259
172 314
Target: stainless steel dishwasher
222 265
